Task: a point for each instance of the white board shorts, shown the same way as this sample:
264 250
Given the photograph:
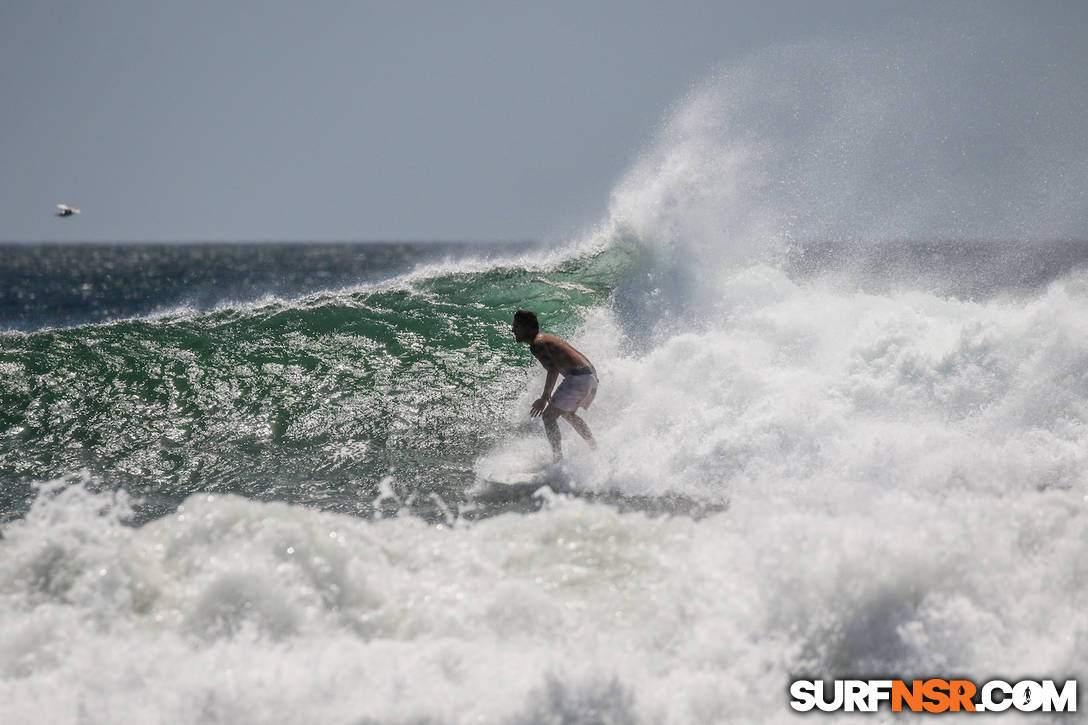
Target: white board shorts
576 391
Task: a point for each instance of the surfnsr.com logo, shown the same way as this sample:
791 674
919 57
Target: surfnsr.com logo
934 695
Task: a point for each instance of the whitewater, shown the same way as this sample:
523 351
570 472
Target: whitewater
843 420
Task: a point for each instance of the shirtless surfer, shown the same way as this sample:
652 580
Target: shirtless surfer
579 384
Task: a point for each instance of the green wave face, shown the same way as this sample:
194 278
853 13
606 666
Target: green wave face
314 401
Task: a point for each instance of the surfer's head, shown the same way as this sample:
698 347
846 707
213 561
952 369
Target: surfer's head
525 326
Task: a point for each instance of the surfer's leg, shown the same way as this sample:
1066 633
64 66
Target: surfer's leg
579 425
551 427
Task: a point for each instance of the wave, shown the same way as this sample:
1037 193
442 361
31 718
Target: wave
231 609
313 399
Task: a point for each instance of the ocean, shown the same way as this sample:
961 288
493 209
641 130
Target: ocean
238 484
843 427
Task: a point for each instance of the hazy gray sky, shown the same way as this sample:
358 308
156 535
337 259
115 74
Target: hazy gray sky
362 120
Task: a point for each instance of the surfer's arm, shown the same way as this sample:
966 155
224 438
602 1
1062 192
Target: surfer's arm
542 402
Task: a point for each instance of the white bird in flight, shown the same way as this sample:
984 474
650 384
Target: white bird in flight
66 210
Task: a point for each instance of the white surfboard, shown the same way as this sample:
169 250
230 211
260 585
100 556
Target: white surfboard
538 476
519 483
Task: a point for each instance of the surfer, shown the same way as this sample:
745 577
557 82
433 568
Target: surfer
579 384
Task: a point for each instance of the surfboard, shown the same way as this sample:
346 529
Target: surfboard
519 483
538 476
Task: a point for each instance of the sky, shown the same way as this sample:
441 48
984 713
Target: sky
281 120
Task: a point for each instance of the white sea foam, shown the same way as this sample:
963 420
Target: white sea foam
824 393
232 610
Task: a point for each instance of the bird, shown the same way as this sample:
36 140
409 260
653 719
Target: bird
66 210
